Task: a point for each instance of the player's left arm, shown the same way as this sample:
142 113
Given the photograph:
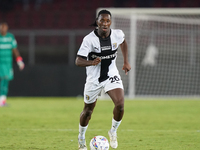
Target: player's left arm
18 58
124 49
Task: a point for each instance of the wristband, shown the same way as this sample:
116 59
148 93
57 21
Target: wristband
19 58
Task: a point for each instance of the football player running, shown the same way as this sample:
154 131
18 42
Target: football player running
98 53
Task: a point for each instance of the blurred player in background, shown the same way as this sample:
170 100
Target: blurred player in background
8 47
98 53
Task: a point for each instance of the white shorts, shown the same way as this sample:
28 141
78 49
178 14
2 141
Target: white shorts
93 90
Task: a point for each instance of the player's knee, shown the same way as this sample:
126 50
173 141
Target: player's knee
120 107
88 113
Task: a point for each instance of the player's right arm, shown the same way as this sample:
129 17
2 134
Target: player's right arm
82 62
85 49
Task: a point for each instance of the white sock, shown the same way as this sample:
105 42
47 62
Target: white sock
82 131
115 125
2 99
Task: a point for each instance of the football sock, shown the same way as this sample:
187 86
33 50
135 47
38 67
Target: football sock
82 131
115 125
2 100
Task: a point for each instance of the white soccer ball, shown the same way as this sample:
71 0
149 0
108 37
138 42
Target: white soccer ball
99 143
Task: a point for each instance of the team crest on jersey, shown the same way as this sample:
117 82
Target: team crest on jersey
114 45
87 97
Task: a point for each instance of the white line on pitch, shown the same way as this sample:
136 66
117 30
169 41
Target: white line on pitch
123 130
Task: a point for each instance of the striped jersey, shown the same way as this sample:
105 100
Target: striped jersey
94 46
7 43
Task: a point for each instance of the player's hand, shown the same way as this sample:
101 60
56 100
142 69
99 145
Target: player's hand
20 63
126 68
96 61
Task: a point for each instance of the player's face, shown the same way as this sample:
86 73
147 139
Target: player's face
3 28
104 22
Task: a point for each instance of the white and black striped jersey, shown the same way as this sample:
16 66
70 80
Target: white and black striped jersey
94 46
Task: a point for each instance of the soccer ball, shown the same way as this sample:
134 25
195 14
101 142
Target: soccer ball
99 143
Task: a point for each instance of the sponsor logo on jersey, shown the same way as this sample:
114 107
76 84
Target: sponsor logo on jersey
104 48
5 46
114 45
105 57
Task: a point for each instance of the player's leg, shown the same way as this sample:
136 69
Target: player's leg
117 95
91 92
85 116
3 91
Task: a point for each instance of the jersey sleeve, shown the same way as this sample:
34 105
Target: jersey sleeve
121 36
14 42
84 48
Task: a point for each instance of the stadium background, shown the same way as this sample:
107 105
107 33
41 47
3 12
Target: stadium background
49 33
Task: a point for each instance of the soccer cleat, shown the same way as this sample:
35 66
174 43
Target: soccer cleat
113 139
3 103
82 144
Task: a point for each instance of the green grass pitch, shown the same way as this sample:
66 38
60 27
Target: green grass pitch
52 124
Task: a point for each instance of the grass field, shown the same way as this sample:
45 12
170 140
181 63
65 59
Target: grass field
52 124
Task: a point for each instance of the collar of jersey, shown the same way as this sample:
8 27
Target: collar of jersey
96 33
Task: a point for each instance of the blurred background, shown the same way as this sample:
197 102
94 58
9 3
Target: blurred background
49 33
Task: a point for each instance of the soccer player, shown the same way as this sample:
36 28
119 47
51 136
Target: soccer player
98 53
8 46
